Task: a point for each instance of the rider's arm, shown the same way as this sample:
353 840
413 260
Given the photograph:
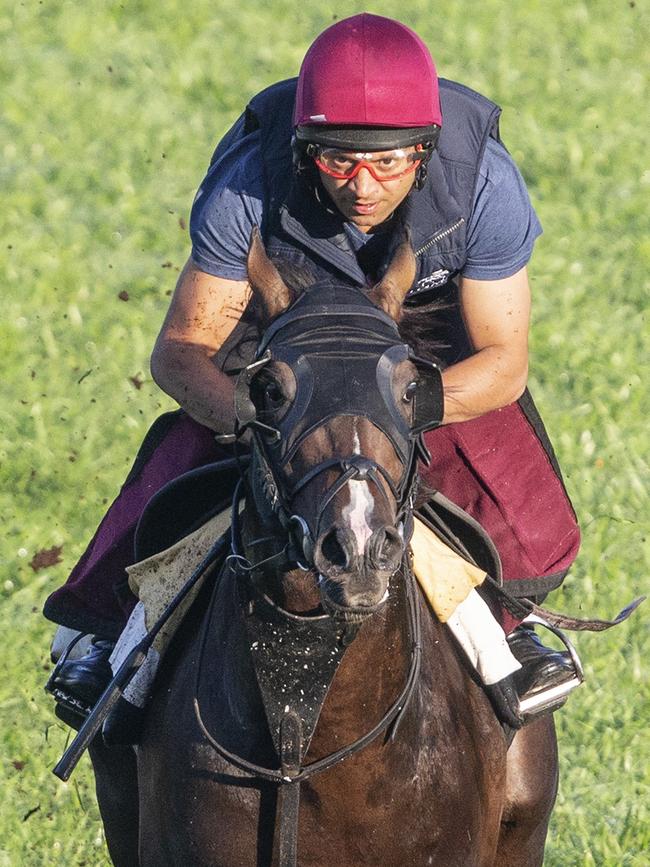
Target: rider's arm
203 312
496 315
212 291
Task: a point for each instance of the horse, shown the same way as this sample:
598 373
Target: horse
311 709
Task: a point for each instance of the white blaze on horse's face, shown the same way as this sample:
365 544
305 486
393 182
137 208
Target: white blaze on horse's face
358 513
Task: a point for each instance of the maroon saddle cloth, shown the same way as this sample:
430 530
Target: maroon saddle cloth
499 468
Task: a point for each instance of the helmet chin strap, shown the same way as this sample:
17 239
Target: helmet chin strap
423 169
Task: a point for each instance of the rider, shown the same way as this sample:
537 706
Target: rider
326 168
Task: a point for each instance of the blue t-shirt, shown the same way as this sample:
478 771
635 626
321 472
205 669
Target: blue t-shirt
501 233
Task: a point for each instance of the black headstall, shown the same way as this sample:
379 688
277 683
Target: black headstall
343 352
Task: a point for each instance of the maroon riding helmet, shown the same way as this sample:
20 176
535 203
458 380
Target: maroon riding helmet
367 83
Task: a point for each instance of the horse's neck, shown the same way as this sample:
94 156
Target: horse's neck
370 678
374 672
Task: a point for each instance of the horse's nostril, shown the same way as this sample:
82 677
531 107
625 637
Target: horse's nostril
334 551
386 549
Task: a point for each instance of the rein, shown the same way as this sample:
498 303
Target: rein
392 716
291 771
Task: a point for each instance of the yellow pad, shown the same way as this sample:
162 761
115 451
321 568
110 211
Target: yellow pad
444 576
156 580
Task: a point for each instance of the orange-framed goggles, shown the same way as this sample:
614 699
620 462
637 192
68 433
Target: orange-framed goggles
382 165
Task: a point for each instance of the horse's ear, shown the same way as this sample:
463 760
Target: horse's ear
272 293
391 290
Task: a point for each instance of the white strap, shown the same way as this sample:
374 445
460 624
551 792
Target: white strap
482 639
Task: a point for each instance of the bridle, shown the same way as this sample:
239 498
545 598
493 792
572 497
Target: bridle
353 344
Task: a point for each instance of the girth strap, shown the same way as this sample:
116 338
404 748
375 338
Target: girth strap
288 808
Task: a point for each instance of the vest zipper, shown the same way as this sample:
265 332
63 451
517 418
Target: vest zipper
440 236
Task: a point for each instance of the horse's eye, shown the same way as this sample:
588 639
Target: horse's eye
409 393
273 396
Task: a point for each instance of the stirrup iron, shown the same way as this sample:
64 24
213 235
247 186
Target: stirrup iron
554 697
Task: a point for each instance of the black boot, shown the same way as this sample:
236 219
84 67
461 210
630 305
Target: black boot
77 684
546 676
541 685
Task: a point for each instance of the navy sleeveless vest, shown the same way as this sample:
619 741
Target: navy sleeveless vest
301 229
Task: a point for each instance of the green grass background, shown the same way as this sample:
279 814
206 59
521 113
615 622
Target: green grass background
110 111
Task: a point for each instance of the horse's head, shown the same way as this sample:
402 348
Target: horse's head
336 403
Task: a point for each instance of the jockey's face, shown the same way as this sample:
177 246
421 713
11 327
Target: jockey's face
365 201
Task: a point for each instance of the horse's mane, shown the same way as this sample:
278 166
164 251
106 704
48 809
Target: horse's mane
421 326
